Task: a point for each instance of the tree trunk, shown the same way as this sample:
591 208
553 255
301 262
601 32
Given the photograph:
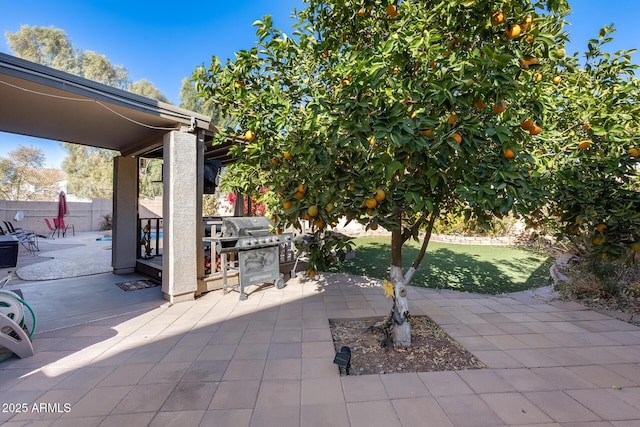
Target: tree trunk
400 315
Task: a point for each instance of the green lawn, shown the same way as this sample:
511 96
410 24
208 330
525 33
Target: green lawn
470 268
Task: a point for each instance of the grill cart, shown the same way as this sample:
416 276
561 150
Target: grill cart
257 249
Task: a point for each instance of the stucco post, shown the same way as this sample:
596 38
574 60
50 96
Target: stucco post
125 215
179 265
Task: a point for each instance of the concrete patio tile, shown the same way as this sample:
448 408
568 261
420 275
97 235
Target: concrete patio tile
607 405
485 381
333 415
506 342
458 330
190 396
59 398
514 328
285 351
99 401
469 411
218 352
601 376
144 398
514 408
420 411
140 419
497 359
224 418
256 337
321 391
318 349
561 407
279 393
319 368
276 416
372 413
78 422
45 379
235 395
168 373
524 379
85 378
536 341
476 343
623 337
286 336
444 383
244 370
206 370
603 355
126 375
562 378
485 329
316 335
257 351
400 386
178 418
630 371
362 388
531 358
567 356
282 369
631 395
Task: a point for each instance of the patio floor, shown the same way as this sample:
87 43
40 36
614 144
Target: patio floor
108 357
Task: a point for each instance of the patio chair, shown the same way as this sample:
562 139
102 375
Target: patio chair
60 226
52 229
27 239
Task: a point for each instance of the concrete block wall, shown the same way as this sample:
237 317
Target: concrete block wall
85 216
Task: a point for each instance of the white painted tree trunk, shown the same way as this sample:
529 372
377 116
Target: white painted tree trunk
401 325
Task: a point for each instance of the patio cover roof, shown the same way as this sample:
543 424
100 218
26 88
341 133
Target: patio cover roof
43 102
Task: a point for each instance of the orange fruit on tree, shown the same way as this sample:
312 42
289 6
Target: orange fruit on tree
312 211
370 212
361 12
583 145
249 135
301 188
499 107
537 77
372 140
509 153
535 130
497 18
426 132
525 62
457 137
527 124
287 204
392 10
371 203
635 246
479 104
345 82
275 161
586 126
633 152
320 223
513 31
287 155
238 84
452 119
373 227
556 80
598 240
329 207
298 195
380 195
412 114
601 227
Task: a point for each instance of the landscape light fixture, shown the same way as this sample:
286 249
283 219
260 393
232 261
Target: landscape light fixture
343 359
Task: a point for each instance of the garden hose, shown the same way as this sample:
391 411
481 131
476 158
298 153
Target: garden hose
22 322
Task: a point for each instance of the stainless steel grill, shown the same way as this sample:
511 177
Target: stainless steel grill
257 251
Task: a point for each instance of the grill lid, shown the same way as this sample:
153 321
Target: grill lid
246 226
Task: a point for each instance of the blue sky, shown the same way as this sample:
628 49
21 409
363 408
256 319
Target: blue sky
163 41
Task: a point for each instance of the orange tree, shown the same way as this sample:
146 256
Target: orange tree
392 114
589 156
